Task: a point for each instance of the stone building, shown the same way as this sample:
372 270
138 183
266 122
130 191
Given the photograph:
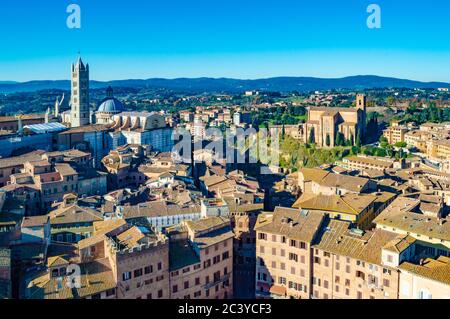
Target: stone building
201 259
325 123
109 107
80 112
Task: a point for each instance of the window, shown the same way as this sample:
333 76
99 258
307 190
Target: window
148 270
317 260
282 281
293 243
197 281
217 276
225 255
159 266
160 293
175 289
390 258
360 274
293 257
262 236
137 273
110 292
197 294
186 285
386 282
302 245
126 276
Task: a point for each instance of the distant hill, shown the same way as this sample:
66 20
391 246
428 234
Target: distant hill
280 84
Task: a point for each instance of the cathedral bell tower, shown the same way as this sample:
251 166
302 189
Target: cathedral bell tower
80 94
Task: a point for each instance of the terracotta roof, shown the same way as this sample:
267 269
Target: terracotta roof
434 269
400 244
337 237
74 214
325 178
292 223
35 221
20 160
352 204
158 208
96 277
401 215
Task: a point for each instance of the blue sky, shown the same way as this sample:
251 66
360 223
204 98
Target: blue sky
232 38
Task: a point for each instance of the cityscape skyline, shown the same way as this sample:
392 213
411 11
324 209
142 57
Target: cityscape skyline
246 41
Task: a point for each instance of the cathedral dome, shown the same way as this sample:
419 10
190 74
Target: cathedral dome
110 104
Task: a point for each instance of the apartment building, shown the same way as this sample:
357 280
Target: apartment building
5 273
283 252
72 221
42 182
428 279
119 261
359 209
414 217
160 214
317 181
439 149
243 216
364 162
13 165
395 134
347 264
121 165
201 259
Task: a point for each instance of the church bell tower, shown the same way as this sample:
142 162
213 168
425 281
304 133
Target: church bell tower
80 94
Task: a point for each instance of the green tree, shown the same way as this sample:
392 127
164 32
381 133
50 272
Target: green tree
401 144
358 139
340 139
312 137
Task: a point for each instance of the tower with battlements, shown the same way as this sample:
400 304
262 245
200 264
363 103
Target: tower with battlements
80 94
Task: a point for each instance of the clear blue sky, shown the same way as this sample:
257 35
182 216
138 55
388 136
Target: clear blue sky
225 38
